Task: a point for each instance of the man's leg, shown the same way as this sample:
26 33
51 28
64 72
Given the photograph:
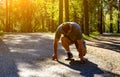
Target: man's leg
81 53
65 43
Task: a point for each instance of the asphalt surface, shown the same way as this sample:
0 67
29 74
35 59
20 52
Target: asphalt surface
29 55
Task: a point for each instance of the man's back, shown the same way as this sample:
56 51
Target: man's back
75 33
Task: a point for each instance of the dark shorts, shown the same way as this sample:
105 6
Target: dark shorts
75 42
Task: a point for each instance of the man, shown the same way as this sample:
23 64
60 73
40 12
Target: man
71 35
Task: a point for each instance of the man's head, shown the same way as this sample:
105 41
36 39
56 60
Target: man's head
66 27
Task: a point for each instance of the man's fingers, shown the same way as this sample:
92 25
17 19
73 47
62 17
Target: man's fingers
54 58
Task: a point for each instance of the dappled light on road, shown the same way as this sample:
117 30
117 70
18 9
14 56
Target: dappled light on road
29 55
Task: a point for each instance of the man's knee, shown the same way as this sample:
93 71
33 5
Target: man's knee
65 40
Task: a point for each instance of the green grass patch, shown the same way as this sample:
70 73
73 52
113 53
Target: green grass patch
117 34
92 35
1 33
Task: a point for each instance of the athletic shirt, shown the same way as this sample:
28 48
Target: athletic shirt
75 33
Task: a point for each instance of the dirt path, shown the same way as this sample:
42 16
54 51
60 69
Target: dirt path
29 55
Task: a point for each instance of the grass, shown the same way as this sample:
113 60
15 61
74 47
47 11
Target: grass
1 33
117 34
91 35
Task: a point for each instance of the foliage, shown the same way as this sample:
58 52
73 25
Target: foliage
76 12
43 15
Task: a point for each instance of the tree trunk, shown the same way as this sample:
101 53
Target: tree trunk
7 17
86 17
82 24
52 24
111 25
66 10
10 16
60 11
101 21
43 25
118 31
75 15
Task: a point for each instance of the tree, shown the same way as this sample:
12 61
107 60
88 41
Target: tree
100 17
26 14
118 31
52 25
10 16
111 25
7 17
46 15
86 17
60 11
66 10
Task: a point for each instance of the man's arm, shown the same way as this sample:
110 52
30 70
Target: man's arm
55 44
81 49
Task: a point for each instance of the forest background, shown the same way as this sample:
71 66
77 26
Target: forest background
46 15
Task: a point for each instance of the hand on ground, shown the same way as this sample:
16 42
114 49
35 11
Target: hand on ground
54 57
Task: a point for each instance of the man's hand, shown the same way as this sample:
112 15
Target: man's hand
54 57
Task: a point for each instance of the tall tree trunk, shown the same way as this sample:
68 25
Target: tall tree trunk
60 11
43 25
52 25
7 17
75 15
111 25
101 21
10 16
82 24
66 10
118 31
86 17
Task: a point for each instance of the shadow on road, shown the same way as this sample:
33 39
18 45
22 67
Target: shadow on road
19 51
111 42
8 66
89 69
24 49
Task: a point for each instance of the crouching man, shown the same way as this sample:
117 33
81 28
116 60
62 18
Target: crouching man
71 35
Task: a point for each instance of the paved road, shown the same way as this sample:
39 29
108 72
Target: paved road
29 55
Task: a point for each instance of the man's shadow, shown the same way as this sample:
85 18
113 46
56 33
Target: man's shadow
89 69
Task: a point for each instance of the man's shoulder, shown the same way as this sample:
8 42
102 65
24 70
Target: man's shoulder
59 27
